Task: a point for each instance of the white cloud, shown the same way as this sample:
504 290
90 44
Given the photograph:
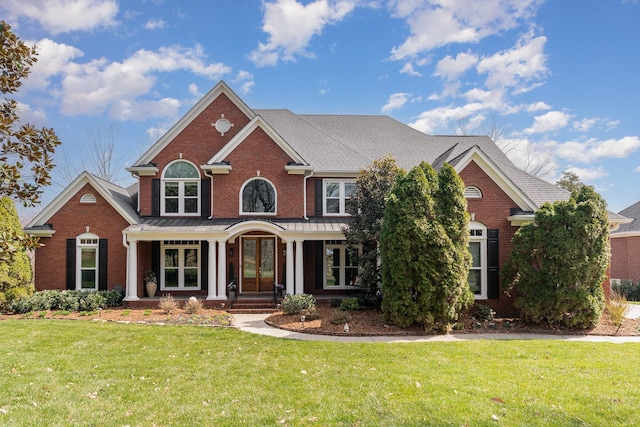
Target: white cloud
395 102
549 122
155 24
63 16
408 69
594 149
518 66
637 169
432 120
584 125
437 23
451 68
588 175
100 85
53 59
291 25
538 106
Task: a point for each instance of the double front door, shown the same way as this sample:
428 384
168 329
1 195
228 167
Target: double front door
258 264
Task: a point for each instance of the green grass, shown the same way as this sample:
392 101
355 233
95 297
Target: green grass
61 373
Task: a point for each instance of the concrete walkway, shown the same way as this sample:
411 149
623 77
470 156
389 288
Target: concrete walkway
255 324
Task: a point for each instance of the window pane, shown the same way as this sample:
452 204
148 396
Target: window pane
333 206
88 258
171 278
333 189
171 258
190 205
171 205
190 189
190 277
258 196
349 189
191 257
474 248
266 258
88 279
475 281
171 189
249 259
331 278
351 276
181 170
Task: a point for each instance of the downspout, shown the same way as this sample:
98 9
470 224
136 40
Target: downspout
304 190
210 194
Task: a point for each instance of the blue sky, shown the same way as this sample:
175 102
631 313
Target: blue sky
558 79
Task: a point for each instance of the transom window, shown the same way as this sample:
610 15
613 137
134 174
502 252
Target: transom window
336 194
258 196
340 267
478 272
87 262
180 265
181 189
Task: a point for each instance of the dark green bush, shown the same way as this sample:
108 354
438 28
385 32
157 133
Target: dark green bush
627 288
350 303
66 301
335 302
483 312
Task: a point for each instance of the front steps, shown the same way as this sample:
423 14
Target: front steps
254 304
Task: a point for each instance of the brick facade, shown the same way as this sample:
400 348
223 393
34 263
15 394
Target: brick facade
625 263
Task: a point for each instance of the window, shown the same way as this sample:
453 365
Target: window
472 192
87 262
336 194
88 198
340 267
181 189
180 265
478 272
258 196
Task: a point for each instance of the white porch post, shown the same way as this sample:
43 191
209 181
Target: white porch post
222 263
299 267
289 259
211 258
132 271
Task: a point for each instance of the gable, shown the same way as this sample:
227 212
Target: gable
195 135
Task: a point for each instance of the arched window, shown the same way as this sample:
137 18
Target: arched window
258 196
472 192
180 189
88 198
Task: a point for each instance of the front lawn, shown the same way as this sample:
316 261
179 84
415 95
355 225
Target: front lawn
59 373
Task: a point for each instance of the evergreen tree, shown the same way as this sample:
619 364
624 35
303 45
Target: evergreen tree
559 262
424 271
366 208
15 267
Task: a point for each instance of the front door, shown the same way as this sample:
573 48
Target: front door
258 264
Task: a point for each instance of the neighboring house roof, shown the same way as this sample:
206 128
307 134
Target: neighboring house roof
119 198
631 228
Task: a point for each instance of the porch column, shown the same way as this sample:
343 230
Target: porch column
299 268
289 259
222 267
132 271
211 258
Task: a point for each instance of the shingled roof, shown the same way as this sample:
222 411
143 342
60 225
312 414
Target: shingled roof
633 212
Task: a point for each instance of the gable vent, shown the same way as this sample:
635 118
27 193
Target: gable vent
472 192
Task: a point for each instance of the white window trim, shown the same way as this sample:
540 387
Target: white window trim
88 198
343 266
275 192
181 248
87 241
342 210
473 225
181 197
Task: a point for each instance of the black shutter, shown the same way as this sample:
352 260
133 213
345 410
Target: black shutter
205 198
102 264
71 264
493 264
155 197
319 264
204 261
318 197
155 258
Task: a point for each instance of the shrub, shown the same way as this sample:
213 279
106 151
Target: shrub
294 304
617 307
311 314
335 302
168 304
483 312
69 300
193 306
91 301
340 318
627 288
20 305
112 298
350 303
